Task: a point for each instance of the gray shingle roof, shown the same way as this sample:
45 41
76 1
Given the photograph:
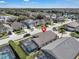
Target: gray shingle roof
3 28
29 21
73 24
64 48
44 38
16 25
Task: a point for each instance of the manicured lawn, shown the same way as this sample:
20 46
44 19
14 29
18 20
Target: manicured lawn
18 50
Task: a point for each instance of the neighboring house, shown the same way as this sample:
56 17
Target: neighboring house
47 16
3 28
72 26
63 48
28 45
28 24
6 52
58 19
53 16
37 22
41 21
44 21
72 16
7 18
42 39
16 25
1 21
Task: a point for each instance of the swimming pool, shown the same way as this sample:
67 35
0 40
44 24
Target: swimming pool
5 55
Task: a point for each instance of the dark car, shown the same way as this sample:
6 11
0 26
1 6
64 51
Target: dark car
26 35
54 29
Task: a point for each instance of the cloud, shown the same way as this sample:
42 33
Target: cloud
26 0
2 2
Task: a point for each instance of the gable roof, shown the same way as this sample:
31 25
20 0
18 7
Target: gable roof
73 24
3 28
44 38
16 25
64 48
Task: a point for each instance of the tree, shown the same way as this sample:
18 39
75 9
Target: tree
21 18
61 30
39 16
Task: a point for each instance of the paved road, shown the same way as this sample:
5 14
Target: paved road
16 37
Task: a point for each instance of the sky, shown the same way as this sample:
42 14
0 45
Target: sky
39 3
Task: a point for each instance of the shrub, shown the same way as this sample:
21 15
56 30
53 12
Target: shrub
75 34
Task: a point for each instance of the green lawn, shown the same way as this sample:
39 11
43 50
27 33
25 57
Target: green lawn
18 50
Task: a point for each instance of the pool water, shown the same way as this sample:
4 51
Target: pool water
5 56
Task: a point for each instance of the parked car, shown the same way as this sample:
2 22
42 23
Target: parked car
54 29
26 35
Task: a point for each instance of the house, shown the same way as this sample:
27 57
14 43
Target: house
58 19
37 22
72 16
5 28
29 45
28 23
42 39
2 29
1 21
53 16
72 26
47 16
8 18
16 25
63 48
6 52
44 21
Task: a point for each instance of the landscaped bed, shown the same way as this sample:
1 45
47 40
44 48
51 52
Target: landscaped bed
19 31
75 34
3 35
